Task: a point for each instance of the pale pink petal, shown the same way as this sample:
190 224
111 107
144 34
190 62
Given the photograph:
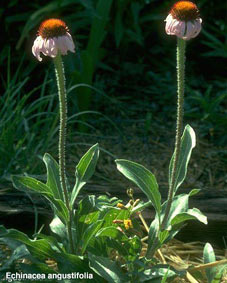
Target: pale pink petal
53 48
172 26
40 42
50 46
168 21
179 29
190 30
61 45
70 44
197 27
182 29
36 47
53 44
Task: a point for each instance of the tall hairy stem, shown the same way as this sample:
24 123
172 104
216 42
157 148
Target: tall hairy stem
181 45
59 69
179 122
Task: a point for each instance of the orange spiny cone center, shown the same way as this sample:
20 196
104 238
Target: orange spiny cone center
185 11
52 28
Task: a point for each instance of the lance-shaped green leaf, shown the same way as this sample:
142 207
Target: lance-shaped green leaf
191 214
31 185
143 178
157 273
84 170
179 206
38 248
89 233
53 178
112 232
69 263
85 215
59 228
179 213
188 142
107 269
141 206
208 257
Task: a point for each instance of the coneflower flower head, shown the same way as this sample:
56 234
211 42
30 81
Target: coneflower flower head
183 20
53 37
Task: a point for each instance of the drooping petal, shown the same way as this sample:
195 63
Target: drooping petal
70 43
189 30
50 45
61 44
198 27
182 29
36 47
169 22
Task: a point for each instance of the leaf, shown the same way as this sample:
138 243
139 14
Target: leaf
51 240
89 233
194 192
165 277
163 235
37 268
53 178
104 203
194 214
209 256
31 185
111 232
84 77
118 23
134 248
97 33
91 55
118 28
86 166
107 269
38 248
179 205
114 214
69 263
84 170
141 206
158 272
143 178
58 228
20 252
219 273
188 142
42 249
85 215
179 213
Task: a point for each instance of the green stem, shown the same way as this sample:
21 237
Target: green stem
181 44
180 111
59 69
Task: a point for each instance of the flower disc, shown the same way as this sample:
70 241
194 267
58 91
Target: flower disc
52 28
185 11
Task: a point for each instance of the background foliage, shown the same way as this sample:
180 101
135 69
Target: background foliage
124 53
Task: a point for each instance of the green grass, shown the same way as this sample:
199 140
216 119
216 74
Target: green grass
28 126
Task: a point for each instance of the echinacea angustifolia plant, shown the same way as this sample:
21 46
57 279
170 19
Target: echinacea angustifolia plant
184 22
102 239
